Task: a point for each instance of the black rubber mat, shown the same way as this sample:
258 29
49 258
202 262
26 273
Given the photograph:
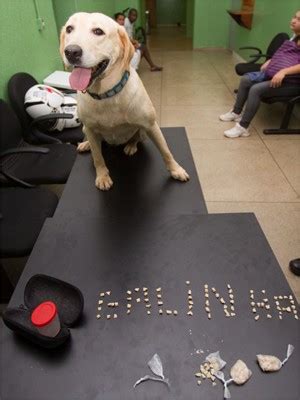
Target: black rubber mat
106 357
141 183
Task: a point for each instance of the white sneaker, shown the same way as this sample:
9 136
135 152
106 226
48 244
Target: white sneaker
230 116
237 131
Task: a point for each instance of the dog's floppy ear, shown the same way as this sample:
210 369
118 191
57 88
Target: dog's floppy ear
127 46
62 41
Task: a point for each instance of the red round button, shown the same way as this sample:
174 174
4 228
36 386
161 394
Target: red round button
43 314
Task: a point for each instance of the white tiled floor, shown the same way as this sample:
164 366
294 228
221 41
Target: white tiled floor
259 174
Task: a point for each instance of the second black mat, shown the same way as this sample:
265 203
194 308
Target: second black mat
106 356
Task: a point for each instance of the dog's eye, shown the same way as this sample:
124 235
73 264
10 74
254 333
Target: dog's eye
69 28
98 32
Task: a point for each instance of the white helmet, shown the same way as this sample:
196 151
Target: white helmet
43 100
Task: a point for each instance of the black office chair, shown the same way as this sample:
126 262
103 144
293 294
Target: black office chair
288 94
34 130
252 66
51 164
22 215
23 212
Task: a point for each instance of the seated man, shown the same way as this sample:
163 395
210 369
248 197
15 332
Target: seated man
135 61
129 26
285 62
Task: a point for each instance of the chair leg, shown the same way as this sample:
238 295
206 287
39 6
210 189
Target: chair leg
288 131
284 124
287 116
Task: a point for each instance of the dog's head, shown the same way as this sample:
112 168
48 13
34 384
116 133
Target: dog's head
93 44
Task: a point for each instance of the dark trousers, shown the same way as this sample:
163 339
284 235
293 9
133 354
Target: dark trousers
250 92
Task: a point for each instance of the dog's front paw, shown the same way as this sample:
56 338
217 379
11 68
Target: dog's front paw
179 173
104 182
130 149
84 146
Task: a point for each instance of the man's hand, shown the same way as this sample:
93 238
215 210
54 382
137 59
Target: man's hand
135 43
277 79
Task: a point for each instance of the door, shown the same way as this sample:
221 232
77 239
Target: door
151 6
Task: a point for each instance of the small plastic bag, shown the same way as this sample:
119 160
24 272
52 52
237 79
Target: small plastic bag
240 373
156 367
269 363
216 361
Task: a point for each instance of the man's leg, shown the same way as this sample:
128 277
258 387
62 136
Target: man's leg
250 93
146 53
242 94
253 102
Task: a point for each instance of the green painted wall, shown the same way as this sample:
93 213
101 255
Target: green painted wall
169 12
142 12
270 17
64 8
23 47
211 23
190 4
121 5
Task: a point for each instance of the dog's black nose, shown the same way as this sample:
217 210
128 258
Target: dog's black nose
73 53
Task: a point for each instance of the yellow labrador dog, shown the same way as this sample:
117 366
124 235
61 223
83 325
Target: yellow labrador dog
113 104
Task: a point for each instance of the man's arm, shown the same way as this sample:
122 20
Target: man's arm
128 28
264 66
278 78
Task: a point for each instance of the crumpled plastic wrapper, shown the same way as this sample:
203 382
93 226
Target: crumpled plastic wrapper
240 373
216 361
156 367
271 363
221 377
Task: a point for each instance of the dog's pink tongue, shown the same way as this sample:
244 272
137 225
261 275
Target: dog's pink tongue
80 78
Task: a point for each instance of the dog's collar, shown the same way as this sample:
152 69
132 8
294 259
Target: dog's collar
112 92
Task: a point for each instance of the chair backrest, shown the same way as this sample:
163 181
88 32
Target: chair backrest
17 88
10 127
276 42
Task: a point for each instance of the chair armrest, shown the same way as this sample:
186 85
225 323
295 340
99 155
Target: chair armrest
42 136
287 77
49 117
295 100
259 55
251 48
255 57
19 150
293 76
13 178
16 150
